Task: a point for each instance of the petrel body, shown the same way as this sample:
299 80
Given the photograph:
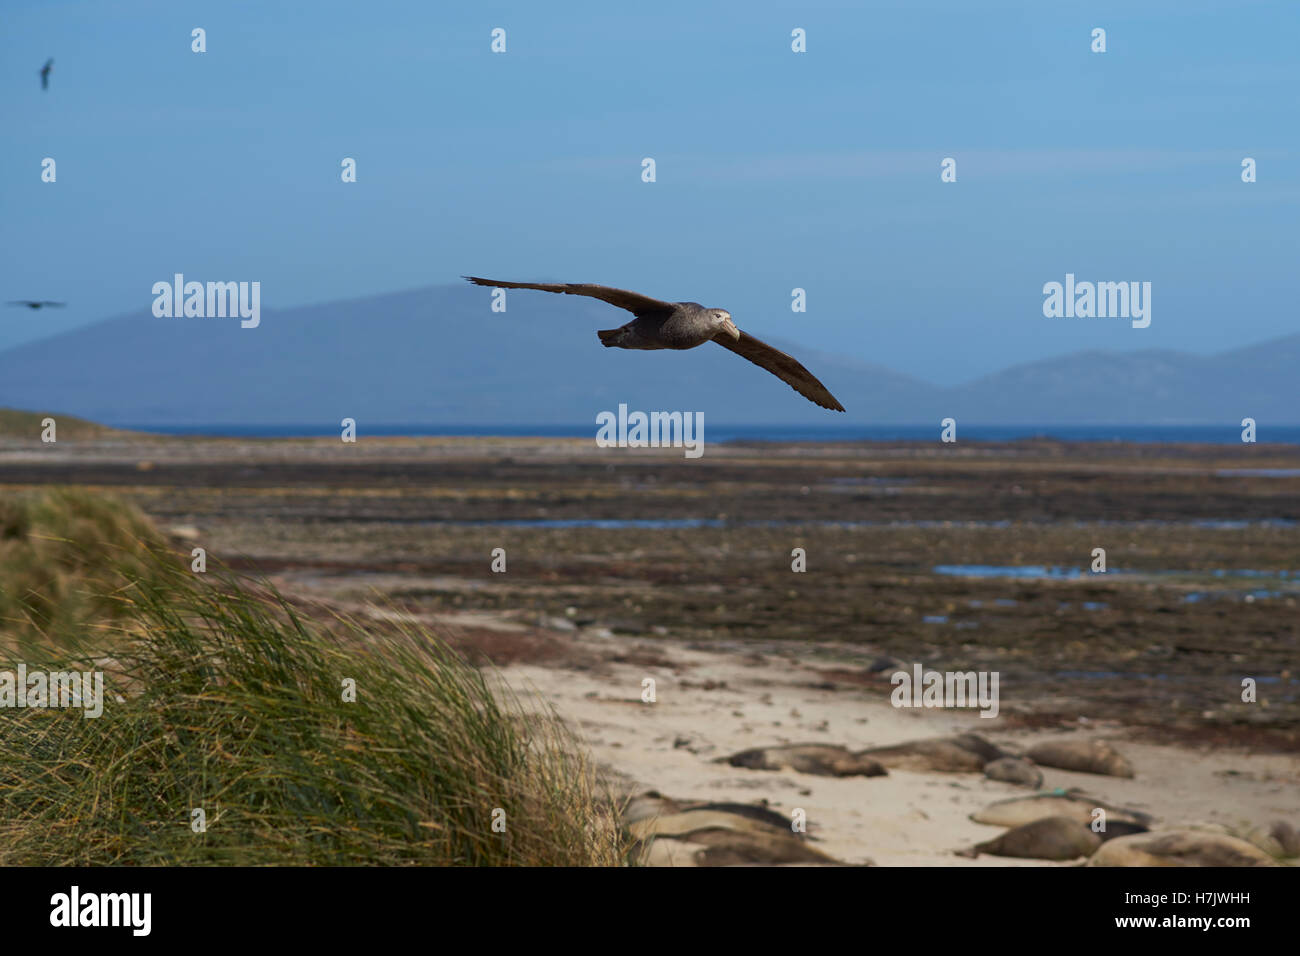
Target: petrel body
35 303
683 325
45 73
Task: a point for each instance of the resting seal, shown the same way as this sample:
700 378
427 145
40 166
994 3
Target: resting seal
1278 839
1052 838
1084 756
1055 803
706 836
821 759
1014 770
963 753
1180 848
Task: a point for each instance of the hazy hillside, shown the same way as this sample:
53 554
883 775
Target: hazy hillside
441 356
1150 387
427 356
27 425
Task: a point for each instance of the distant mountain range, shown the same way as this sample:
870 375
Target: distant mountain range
441 356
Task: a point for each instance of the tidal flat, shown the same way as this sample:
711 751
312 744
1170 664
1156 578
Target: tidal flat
1202 553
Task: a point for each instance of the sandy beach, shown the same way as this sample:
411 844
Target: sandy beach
715 703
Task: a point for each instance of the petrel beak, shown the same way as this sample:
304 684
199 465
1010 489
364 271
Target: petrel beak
731 329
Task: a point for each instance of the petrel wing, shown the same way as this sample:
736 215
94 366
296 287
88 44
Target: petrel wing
783 366
639 305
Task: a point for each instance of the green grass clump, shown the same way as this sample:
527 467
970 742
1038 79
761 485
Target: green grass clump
219 696
64 556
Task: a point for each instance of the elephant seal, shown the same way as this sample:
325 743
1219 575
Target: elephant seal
667 853
689 821
751 811
643 806
963 753
1277 839
1072 803
1016 770
651 804
730 848
821 759
711 837
1051 838
1083 756
1287 835
1119 828
1180 848
703 849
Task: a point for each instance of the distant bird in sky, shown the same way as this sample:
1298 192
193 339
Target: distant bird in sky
45 73
684 325
36 303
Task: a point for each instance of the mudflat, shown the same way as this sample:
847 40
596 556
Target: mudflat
965 557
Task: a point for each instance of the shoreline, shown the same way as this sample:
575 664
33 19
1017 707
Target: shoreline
907 818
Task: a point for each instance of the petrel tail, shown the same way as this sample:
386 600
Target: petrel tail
610 337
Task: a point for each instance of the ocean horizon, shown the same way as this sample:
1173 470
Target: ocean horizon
1225 434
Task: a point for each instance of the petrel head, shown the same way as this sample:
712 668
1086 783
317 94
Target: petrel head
722 319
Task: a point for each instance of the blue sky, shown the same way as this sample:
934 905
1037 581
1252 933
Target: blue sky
775 170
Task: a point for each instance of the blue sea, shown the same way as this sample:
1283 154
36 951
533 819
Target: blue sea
1228 433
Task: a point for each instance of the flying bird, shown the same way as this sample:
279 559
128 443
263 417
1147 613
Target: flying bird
36 304
45 73
683 325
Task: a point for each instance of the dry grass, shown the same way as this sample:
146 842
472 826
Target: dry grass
64 556
219 696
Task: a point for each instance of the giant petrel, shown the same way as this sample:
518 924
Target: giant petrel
683 325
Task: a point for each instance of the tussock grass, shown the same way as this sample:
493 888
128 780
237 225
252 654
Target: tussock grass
220 696
64 556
